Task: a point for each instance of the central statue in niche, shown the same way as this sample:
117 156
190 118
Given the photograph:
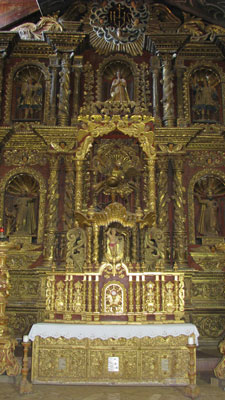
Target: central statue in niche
118 91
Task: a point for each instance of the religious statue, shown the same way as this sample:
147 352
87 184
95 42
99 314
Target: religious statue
118 89
115 245
78 297
30 99
205 96
21 220
208 221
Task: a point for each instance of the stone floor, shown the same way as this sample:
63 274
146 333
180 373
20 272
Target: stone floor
10 391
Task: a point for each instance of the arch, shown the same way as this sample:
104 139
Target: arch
42 188
186 82
9 88
191 212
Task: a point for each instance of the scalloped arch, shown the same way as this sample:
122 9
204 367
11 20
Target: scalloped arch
42 185
19 66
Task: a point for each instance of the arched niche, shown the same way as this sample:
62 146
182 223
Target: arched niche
107 72
204 89
206 195
28 93
23 196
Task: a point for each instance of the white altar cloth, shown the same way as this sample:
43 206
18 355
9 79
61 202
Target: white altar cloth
97 331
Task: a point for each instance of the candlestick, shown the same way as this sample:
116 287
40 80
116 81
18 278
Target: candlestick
25 339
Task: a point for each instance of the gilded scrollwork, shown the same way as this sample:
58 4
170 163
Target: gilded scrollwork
76 249
154 249
209 325
22 157
21 322
205 291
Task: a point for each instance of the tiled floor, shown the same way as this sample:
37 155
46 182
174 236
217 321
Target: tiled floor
9 391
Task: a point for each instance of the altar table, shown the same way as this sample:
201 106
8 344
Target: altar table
113 354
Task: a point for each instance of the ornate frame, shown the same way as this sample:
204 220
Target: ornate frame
9 86
36 175
103 296
186 91
194 179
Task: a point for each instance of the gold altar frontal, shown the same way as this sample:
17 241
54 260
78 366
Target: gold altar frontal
148 361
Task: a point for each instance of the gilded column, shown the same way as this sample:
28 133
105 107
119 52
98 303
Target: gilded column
179 231
78 185
52 210
69 192
2 56
95 250
180 101
151 186
155 66
168 85
64 91
54 66
162 203
76 89
8 363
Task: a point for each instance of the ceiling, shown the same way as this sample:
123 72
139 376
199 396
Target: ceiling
31 10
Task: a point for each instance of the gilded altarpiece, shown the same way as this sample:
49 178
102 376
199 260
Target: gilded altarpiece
106 189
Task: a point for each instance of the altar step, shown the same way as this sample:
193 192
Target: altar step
207 360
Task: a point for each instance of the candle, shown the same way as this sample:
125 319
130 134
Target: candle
25 339
97 278
137 278
89 278
190 340
143 278
130 278
1 233
176 278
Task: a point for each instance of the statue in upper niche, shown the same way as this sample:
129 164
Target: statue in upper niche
118 89
208 221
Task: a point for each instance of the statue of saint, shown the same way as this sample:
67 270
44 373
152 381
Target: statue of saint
208 221
25 223
115 245
30 99
118 91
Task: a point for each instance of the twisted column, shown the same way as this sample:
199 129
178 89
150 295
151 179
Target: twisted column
180 101
76 89
155 65
179 234
151 185
163 199
52 210
64 91
168 97
69 192
78 192
54 66
2 56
